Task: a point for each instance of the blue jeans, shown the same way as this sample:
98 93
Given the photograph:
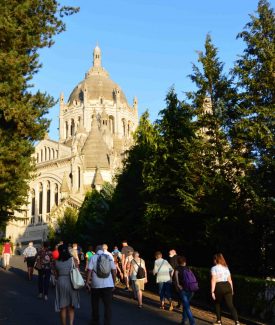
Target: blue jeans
186 296
165 290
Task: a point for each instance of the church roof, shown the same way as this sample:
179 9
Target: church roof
64 185
95 150
98 180
96 84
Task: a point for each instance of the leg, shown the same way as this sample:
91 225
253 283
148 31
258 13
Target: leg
229 302
186 297
139 297
71 314
8 260
40 281
219 293
95 296
161 293
107 295
47 276
63 312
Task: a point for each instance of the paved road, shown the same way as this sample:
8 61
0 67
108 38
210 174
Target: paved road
19 304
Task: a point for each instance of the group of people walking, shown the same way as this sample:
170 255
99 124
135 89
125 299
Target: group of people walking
103 269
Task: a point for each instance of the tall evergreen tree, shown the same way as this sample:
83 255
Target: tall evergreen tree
172 181
214 103
129 199
25 27
254 129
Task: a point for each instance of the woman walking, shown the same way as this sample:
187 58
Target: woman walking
43 265
222 288
66 298
164 272
138 275
185 294
30 256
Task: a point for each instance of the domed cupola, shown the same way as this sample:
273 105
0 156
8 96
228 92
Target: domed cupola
97 84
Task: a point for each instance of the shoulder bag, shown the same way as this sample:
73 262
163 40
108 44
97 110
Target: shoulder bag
76 277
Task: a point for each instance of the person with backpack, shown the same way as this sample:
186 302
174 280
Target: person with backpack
102 274
164 273
138 275
222 288
187 285
44 265
6 253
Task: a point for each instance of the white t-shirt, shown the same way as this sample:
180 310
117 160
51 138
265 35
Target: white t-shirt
30 251
163 270
100 282
220 272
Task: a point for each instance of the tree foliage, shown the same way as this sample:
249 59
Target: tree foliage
25 27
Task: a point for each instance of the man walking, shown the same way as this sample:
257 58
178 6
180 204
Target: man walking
173 259
102 273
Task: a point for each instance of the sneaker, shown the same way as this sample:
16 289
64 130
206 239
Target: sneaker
45 297
237 323
218 322
40 296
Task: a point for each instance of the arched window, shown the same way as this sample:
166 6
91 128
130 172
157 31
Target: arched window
48 197
33 202
41 153
40 198
56 153
128 128
72 127
49 153
56 195
79 175
66 130
124 127
53 156
37 157
112 124
46 151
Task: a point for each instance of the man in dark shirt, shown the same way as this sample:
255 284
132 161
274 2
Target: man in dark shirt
173 260
125 252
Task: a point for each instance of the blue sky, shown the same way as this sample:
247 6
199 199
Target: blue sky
147 45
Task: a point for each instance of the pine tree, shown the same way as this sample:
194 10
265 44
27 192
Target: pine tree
254 129
222 168
129 199
25 27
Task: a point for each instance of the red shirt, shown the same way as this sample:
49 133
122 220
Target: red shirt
7 248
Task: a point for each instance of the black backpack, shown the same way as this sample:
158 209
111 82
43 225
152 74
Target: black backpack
140 272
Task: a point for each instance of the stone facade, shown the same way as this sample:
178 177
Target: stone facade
95 130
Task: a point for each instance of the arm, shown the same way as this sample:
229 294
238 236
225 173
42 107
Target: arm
114 277
177 280
155 270
229 279
145 281
213 285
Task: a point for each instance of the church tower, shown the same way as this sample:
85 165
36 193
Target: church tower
97 57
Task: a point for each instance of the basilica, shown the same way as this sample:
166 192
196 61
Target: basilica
96 125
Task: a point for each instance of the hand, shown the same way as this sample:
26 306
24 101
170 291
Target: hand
145 280
88 287
179 287
213 296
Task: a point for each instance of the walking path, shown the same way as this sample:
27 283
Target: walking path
19 304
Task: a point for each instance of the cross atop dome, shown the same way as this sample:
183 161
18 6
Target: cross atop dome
97 57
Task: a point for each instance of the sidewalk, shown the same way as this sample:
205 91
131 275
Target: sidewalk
152 300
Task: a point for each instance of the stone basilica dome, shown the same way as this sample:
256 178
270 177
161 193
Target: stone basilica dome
97 84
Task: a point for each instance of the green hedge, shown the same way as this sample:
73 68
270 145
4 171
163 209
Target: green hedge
252 296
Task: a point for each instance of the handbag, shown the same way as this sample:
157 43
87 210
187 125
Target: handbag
76 277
